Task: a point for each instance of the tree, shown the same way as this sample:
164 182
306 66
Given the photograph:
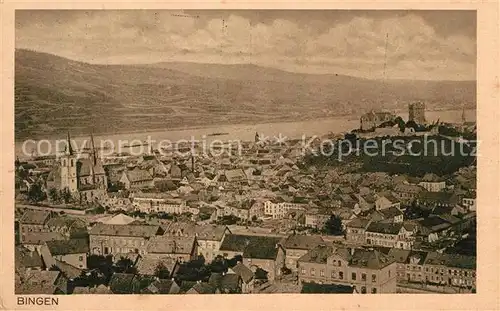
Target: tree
219 265
161 271
125 265
333 226
54 195
66 196
36 194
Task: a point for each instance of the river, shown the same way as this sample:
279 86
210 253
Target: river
290 130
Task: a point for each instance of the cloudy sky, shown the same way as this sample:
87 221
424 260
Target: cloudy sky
428 45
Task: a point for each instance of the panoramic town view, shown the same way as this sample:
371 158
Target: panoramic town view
245 152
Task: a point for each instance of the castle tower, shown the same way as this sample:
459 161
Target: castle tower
68 164
416 112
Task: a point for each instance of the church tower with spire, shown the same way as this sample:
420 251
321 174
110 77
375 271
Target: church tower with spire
68 163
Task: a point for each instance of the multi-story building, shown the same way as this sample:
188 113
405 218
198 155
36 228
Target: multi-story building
367 270
388 235
450 269
182 249
432 182
158 202
278 208
210 239
407 192
111 239
356 231
136 178
73 252
34 221
262 252
297 246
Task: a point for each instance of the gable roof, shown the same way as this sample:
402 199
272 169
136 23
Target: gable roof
361 223
137 175
211 232
319 254
120 219
147 264
305 242
39 282
162 286
65 247
390 212
252 246
132 230
39 238
371 259
35 217
386 228
162 244
24 258
243 271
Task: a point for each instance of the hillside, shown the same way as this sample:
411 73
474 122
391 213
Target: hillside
54 94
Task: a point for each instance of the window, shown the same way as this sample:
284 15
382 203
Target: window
374 278
80 258
303 271
389 273
313 272
374 290
353 276
339 263
363 289
341 275
363 276
334 275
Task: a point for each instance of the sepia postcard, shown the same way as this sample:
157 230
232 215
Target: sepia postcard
244 156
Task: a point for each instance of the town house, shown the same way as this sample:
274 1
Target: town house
297 246
182 249
210 238
73 252
34 221
387 235
450 269
367 270
356 231
407 192
158 202
433 183
136 178
257 251
111 239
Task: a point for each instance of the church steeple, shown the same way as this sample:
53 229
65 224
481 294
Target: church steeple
92 152
69 148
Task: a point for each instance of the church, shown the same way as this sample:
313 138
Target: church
82 174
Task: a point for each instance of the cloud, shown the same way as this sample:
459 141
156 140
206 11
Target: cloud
356 46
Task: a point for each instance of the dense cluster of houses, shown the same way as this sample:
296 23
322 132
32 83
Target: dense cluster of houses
55 247
267 185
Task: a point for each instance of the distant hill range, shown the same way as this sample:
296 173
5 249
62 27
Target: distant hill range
54 94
